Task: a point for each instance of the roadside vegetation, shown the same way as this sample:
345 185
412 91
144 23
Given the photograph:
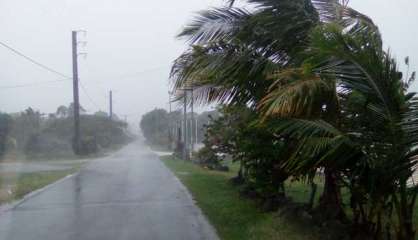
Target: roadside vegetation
235 217
31 135
15 186
307 94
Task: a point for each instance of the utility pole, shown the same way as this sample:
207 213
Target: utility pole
170 125
185 137
110 105
192 121
196 130
76 103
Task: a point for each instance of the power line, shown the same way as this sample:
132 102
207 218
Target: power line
88 96
34 61
124 76
31 84
46 68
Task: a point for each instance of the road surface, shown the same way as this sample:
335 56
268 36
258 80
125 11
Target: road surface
128 195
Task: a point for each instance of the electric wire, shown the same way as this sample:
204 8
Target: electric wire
34 61
66 78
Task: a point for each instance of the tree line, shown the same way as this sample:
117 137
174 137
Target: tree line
307 89
31 134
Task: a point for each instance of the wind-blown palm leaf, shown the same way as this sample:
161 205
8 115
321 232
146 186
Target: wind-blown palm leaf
297 94
301 128
375 73
319 144
218 24
276 28
237 72
410 126
337 11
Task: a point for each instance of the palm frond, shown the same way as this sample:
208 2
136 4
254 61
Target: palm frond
297 94
319 144
374 73
217 24
237 72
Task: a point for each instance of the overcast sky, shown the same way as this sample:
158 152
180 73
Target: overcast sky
131 45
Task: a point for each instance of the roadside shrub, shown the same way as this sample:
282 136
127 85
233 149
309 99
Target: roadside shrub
206 156
47 145
88 145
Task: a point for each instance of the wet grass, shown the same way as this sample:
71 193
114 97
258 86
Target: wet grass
15 186
234 217
238 218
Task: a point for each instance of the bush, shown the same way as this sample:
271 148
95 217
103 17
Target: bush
88 145
210 159
43 144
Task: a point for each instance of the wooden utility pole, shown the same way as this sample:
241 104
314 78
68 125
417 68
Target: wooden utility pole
196 130
76 102
185 137
192 122
170 125
110 105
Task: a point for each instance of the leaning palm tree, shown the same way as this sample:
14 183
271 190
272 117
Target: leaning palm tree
237 53
317 67
373 144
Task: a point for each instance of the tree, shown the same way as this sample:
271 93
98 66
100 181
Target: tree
236 52
315 73
101 114
5 127
154 126
70 111
62 112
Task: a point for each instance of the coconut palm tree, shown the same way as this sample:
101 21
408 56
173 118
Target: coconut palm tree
237 53
318 69
375 132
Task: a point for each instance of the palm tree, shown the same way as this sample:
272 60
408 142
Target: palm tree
235 50
236 55
378 138
318 69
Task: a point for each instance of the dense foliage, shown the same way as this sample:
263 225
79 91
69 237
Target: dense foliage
317 94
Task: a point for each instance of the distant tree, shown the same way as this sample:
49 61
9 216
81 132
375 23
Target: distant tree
204 119
154 126
71 110
5 126
62 111
101 114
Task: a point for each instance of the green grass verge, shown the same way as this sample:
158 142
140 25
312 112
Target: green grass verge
233 216
14 187
238 218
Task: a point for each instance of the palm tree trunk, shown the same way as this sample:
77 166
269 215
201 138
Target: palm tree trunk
330 203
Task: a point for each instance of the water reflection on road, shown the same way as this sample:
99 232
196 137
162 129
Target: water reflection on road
129 195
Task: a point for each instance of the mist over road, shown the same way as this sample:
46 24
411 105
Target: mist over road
128 195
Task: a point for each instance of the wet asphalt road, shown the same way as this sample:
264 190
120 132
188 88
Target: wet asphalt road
129 195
